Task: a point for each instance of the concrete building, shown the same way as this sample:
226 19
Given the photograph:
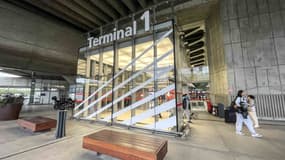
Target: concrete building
239 41
129 62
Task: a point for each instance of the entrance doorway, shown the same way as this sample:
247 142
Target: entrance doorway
131 81
139 81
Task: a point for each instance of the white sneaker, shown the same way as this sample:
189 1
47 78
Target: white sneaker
240 133
256 126
256 135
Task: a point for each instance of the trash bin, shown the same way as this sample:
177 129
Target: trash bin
60 127
221 112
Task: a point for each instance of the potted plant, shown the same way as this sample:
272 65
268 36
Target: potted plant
10 107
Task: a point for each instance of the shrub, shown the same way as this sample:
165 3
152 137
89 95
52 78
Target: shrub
10 99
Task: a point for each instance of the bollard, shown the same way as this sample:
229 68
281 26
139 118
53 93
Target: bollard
60 127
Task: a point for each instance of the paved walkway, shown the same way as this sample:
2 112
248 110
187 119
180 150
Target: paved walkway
213 140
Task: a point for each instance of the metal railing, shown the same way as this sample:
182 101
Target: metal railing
270 107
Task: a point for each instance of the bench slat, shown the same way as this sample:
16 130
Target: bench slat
132 140
126 146
118 151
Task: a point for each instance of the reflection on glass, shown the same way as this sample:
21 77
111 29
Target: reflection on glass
102 72
123 100
142 92
81 67
166 102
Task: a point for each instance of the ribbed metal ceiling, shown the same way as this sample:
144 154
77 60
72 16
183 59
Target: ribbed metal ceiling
194 42
85 14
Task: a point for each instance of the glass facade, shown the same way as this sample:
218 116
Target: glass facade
128 70
43 91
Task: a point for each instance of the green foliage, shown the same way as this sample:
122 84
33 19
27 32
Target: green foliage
23 91
10 99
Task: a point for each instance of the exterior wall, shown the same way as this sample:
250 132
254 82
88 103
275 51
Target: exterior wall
33 42
216 59
254 42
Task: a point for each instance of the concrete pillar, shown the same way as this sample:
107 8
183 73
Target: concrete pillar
216 58
253 41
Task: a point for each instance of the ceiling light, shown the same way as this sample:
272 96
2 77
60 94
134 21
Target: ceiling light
8 75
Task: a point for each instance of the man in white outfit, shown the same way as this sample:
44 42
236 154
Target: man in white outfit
242 115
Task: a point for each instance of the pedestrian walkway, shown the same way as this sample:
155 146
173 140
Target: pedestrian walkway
213 140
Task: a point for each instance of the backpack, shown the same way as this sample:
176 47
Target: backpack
233 104
184 103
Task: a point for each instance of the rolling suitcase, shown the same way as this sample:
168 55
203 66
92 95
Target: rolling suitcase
230 115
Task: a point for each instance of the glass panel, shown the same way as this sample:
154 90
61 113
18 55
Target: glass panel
121 95
142 114
123 83
142 93
81 67
182 78
79 93
101 73
166 104
94 81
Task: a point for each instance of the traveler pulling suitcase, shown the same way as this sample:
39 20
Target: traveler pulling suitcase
230 115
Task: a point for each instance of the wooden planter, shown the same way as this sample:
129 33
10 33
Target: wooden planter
10 111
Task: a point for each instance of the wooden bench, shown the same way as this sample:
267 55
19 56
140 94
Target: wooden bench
38 123
126 146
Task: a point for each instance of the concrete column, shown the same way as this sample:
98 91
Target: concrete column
217 59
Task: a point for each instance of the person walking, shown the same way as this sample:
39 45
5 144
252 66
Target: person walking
242 115
186 106
252 110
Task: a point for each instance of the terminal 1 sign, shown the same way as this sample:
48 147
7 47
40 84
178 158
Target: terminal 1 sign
118 34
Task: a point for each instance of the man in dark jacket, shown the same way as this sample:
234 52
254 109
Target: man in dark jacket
186 106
